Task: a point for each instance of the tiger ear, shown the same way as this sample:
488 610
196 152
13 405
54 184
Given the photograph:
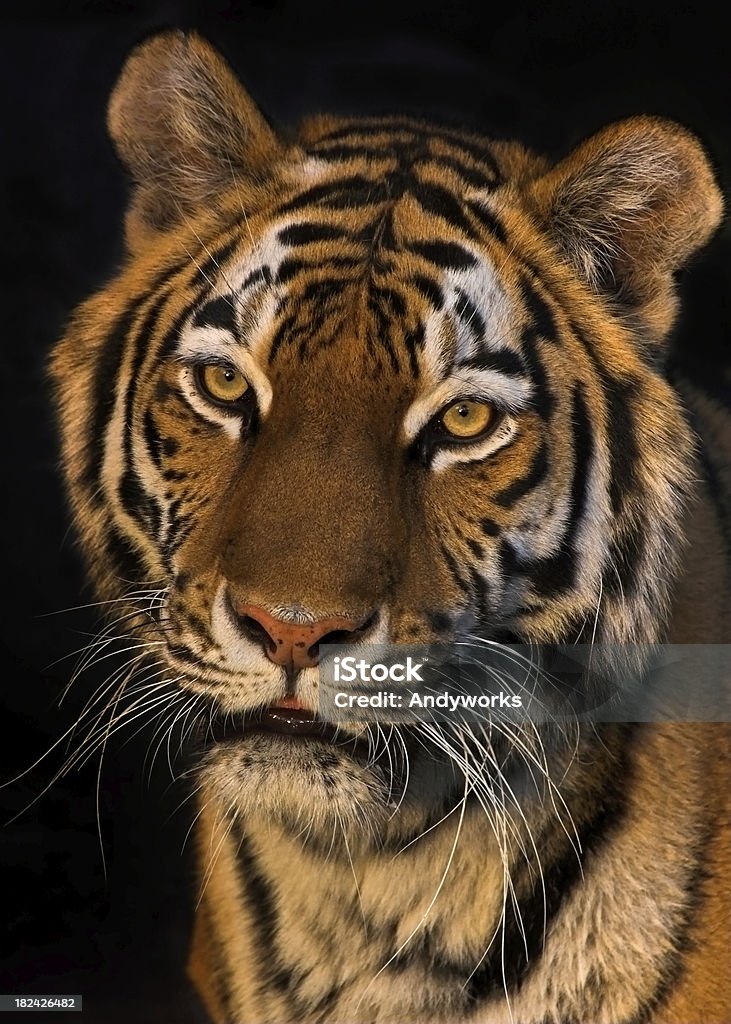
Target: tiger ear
628 207
185 129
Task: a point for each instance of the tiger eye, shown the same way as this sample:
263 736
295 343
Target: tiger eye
222 383
466 419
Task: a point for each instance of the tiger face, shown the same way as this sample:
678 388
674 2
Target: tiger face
389 382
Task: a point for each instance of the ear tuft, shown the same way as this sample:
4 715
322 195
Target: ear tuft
184 127
628 207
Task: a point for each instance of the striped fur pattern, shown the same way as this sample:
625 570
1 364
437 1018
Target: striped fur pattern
361 278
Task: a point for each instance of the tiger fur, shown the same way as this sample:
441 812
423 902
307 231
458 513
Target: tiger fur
360 278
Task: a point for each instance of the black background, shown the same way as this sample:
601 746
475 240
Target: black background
548 75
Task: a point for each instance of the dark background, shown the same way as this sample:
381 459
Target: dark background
546 75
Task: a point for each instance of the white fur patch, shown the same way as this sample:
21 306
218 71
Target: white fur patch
451 340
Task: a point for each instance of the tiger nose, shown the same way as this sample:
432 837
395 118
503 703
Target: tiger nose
294 645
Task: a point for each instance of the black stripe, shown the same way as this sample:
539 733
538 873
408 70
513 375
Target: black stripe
182 653
509 561
455 570
393 300
174 475
180 525
323 289
219 312
170 446
489 527
324 1007
172 336
139 506
292 266
164 393
488 220
480 592
442 203
543 400
414 341
444 254
542 318
558 572
138 343
336 324
502 360
469 314
339 189
261 904
383 330
280 335
440 622
429 289
380 238
376 194
306 234
518 947
262 275
620 396
624 452
520 487
218 256
472 175
290 331
176 541
194 624
307 332
152 438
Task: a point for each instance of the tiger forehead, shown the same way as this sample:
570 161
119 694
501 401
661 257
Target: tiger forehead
308 284
380 252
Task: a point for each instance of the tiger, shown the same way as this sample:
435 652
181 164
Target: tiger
387 381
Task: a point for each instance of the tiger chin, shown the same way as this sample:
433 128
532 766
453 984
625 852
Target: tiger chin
383 381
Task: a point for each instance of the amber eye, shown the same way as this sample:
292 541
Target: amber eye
222 383
467 419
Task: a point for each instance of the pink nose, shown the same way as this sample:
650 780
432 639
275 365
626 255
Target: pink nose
293 644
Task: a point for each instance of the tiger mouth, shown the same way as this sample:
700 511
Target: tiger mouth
295 724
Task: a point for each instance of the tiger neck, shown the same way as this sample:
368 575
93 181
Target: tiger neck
418 922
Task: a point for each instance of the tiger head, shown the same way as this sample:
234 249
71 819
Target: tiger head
382 381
